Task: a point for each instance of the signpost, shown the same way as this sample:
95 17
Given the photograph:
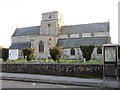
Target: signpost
13 54
110 54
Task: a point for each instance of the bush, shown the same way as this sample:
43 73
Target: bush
5 54
56 53
29 52
87 51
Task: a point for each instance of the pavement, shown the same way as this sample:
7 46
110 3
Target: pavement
95 82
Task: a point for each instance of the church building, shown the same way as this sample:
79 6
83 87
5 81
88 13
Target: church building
53 32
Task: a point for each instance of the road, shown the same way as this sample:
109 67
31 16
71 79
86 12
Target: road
19 84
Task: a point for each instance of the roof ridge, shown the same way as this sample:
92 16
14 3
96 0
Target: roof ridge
27 27
85 24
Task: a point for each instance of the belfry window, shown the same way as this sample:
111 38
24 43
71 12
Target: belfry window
41 46
72 51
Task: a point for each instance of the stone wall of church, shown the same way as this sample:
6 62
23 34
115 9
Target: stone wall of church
86 34
69 36
21 39
80 35
48 41
49 27
78 54
99 34
35 44
50 15
97 56
62 36
51 23
74 35
67 53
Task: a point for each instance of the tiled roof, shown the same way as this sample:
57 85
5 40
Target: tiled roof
76 42
72 29
27 31
20 45
85 28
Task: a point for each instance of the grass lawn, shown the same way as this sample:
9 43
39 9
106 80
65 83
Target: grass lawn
51 61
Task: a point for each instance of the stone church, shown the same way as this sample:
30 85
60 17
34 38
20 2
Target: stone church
53 32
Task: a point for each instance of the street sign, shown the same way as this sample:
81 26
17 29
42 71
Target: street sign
13 54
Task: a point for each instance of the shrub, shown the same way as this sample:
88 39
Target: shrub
56 53
5 54
87 51
29 52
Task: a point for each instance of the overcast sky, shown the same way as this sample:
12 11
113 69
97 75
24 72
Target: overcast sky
25 13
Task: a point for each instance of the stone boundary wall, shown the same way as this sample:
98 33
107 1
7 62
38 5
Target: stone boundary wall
56 69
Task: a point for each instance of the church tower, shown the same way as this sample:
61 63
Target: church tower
51 23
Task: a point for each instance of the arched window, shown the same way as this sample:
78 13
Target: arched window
41 46
72 51
99 50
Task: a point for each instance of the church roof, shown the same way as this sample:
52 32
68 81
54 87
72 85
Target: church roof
71 29
85 28
76 42
20 45
35 30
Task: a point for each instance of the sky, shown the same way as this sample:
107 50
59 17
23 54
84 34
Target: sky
26 13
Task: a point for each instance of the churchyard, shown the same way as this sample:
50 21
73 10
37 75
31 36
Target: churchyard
55 53
85 67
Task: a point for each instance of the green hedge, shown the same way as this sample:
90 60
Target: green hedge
29 52
56 53
87 51
5 54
